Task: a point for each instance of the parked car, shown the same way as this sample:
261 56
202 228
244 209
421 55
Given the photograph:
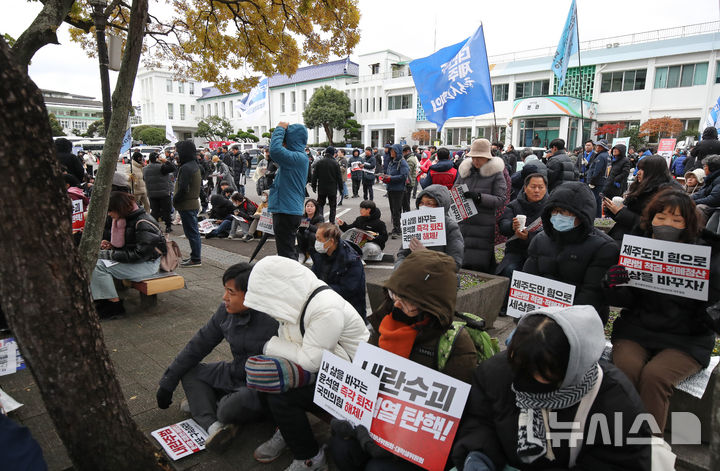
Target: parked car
144 150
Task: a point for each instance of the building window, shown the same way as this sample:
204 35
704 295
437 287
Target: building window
685 75
182 112
458 136
181 87
374 69
304 99
535 88
232 112
192 88
399 102
501 92
171 114
380 103
222 105
292 101
192 110
367 105
623 81
208 109
215 108
168 85
282 102
717 72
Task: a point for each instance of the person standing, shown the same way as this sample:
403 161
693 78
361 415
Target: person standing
137 183
343 162
583 160
709 145
68 161
412 162
326 181
356 171
185 200
287 191
394 178
620 166
597 170
368 174
158 185
559 166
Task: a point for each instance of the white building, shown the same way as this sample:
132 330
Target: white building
72 111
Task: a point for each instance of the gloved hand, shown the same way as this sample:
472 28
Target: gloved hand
105 254
386 179
342 429
369 445
164 398
616 275
473 196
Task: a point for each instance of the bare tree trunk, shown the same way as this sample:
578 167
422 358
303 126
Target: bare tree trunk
45 294
121 102
41 32
329 133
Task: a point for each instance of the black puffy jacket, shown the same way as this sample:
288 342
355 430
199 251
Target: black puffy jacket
578 257
157 179
327 176
709 145
141 239
620 167
371 223
520 206
629 216
560 169
221 207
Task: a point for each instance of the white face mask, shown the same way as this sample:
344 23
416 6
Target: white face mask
320 247
263 199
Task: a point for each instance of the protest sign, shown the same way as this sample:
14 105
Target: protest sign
206 225
78 216
666 147
358 236
418 409
530 292
8 357
425 224
667 267
181 439
265 224
7 403
345 390
621 140
461 207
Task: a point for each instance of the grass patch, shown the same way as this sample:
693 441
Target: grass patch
468 280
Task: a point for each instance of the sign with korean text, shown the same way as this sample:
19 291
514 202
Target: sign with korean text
345 390
181 439
461 207
667 267
358 236
265 224
425 224
418 409
666 147
206 225
531 292
8 357
78 216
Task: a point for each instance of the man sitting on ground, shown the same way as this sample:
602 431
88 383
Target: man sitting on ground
217 397
369 221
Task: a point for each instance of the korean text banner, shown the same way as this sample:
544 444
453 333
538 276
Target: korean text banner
181 439
426 225
455 81
667 267
461 207
418 409
567 46
531 292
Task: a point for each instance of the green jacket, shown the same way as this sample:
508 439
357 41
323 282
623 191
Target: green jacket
412 162
187 187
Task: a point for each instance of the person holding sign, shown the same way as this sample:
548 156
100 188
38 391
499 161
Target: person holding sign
368 221
661 339
484 176
308 227
418 310
550 376
436 196
570 248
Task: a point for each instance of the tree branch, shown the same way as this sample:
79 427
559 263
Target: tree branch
41 32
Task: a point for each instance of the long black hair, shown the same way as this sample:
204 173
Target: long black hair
655 173
673 199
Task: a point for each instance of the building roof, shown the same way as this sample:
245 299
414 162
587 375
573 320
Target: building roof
212 92
73 102
342 67
54 93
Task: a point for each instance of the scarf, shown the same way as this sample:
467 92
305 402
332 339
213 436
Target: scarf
398 337
117 230
532 443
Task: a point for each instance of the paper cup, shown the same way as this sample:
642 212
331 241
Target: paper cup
521 219
617 200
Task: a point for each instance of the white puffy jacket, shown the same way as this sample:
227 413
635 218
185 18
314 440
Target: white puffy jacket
279 287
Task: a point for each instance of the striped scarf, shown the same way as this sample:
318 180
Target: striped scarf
532 443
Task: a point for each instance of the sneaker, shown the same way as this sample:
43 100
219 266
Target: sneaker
318 462
185 406
108 309
190 263
394 235
247 238
271 449
219 436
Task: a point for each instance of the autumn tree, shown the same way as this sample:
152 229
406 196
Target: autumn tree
214 128
328 108
609 129
421 135
661 127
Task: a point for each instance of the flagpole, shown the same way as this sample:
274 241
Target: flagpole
495 126
582 107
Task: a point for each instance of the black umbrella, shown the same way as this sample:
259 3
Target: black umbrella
260 244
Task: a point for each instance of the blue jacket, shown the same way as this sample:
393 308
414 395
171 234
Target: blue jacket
287 192
398 171
678 165
596 170
343 272
709 194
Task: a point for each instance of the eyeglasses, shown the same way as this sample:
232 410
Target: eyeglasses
406 306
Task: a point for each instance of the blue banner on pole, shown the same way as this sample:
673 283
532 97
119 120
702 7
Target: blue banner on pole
712 118
127 142
455 81
567 46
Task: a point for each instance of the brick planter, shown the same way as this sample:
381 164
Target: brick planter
484 299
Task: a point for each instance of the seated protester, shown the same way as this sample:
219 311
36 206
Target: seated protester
441 173
570 248
369 220
308 227
338 263
661 339
436 196
694 181
652 175
529 203
221 211
709 194
418 309
256 217
517 179
329 323
75 193
552 367
217 397
134 240
245 209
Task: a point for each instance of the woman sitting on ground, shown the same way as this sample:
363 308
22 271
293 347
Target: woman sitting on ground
308 227
130 250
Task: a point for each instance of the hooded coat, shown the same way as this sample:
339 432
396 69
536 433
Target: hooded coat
331 323
369 165
442 173
397 170
454 239
490 419
141 239
356 161
427 280
620 166
137 180
532 211
699 176
287 192
371 223
68 161
189 179
708 145
709 194
343 271
579 257
326 176
479 231
157 179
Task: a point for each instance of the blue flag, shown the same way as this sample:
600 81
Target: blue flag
713 120
455 81
127 142
567 46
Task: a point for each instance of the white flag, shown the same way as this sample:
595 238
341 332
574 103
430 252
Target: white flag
169 134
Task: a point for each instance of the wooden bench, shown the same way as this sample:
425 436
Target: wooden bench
151 287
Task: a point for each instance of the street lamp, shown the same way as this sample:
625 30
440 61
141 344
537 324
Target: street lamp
100 22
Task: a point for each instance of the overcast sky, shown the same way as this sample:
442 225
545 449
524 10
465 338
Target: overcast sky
407 26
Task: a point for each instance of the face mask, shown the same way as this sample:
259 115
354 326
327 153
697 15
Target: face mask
531 385
669 233
263 199
562 223
320 247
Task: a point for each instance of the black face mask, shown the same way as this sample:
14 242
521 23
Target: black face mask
400 316
669 233
530 385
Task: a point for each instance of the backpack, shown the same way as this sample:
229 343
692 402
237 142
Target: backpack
485 345
171 256
304 308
